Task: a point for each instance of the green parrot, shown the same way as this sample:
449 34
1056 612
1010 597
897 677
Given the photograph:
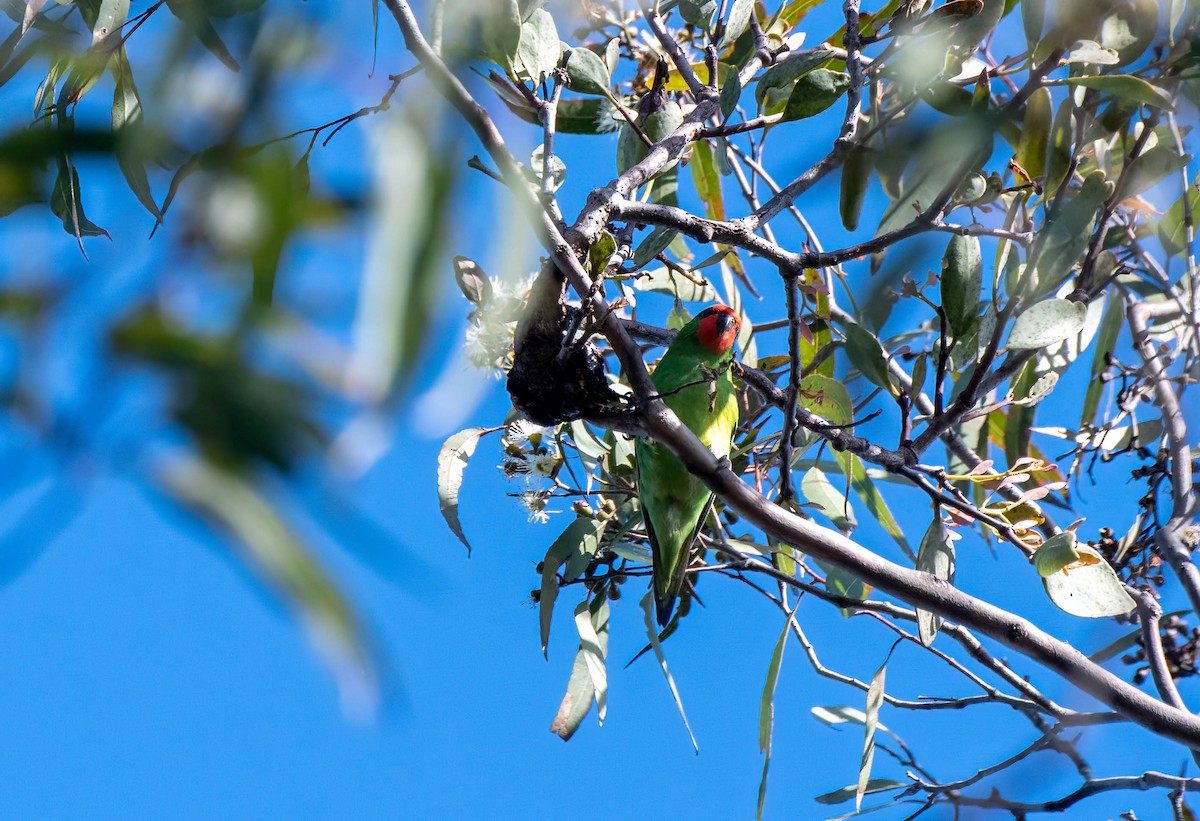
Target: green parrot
693 380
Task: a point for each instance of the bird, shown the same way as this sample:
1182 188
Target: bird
694 381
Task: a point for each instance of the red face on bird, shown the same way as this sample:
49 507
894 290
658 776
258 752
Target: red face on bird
718 328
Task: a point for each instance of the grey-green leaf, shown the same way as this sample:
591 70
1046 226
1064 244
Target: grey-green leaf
935 556
586 72
817 489
1047 323
962 276
451 462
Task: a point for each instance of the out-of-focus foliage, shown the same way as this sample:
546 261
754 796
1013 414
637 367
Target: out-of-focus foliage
1016 212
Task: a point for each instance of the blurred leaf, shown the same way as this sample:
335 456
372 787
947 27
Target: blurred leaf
586 73
451 462
832 715
867 356
820 491
962 277
1047 323
413 186
1150 168
1035 133
573 548
1172 226
870 722
231 503
1091 52
766 714
844 583
856 175
1127 87
581 690
1058 151
1130 639
652 635
194 15
110 17
1068 228
935 556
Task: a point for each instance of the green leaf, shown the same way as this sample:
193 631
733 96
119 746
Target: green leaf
1106 339
736 22
1150 168
67 205
652 635
1120 645
938 167
1047 323
586 73
130 134
731 92
935 556
708 181
856 175
194 15
826 397
815 92
539 49
766 714
581 686
588 116
653 245
846 793
777 82
867 356
572 551
864 486
1086 587
667 281
593 651
1172 229
230 502
1127 87
1068 228
413 185
699 13
502 32
871 721
962 276
1035 133
1058 151
600 253
820 491
110 17
1092 53
451 462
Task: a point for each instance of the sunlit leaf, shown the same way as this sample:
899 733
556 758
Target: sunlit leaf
766 714
870 723
539 49
935 556
586 73
451 463
1047 323
1127 87
820 491
1078 579
652 635
581 689
1035 133
571 551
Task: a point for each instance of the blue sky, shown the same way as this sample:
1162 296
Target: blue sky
147 674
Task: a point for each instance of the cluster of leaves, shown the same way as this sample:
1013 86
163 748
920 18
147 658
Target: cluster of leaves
1036 165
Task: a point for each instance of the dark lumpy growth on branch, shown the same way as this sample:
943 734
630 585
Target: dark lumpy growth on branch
552 382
